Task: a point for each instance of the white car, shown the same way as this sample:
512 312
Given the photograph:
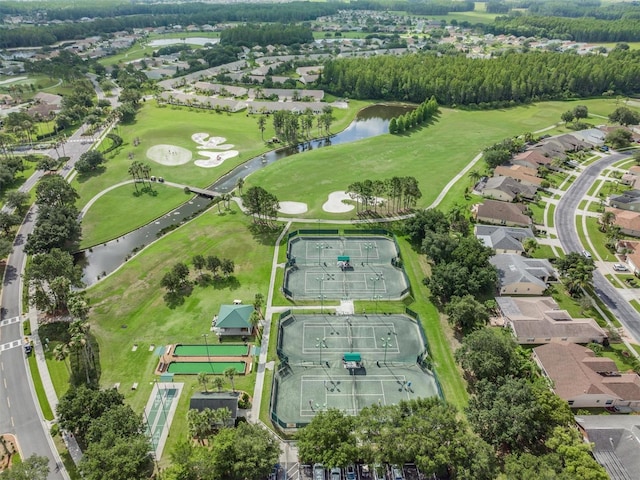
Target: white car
586 254
618 267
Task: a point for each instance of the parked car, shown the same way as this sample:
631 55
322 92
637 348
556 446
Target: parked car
618 267
336 474
396 473
318 472
586 254
351 472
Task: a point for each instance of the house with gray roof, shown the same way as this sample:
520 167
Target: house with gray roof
503 239
522 276
587 381
539 320
629 200
215 401
233 320
507 189
616 443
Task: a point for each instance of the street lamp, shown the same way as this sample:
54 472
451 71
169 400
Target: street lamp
205 335
375 281
321 279
320 344
376 298
320 246
386 343
367 247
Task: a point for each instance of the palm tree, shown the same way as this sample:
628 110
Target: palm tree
475 176
218 382
530 245
79 331
203 380
230 373
262 125
240 184
60 353
606 220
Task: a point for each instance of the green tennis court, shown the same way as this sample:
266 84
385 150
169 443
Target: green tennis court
211 350
216 368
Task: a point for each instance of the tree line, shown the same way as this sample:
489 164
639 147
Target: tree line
415 118
509 79
583 29
291 126
110 18
441 7
402 194
272 34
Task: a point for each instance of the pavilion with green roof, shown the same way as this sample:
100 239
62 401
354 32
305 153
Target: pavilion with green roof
233 320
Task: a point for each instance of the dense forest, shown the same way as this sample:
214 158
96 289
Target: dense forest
508 79
274 34
435 8
583 29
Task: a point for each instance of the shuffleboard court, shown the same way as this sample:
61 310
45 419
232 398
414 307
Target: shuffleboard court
346 267
216 368
211 350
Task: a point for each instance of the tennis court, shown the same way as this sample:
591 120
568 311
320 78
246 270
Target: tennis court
344 268
211 350
313 376
215 368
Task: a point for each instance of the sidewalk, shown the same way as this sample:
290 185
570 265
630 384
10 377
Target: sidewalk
47 384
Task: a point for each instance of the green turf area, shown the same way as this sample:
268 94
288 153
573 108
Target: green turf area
111 215
128 306
58 371
37 384
211 350
193 368
551 215
599 239
543 251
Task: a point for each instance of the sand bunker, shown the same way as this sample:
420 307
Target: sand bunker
292 208
215 158
213 142
335 204
169 155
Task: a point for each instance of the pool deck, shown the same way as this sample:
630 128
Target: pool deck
168 358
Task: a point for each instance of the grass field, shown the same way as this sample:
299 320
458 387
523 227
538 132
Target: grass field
47 413
111 215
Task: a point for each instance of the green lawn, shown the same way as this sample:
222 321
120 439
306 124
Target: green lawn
550 215
537 212
598 239
37 384
112 214
543 251
615 353
58 371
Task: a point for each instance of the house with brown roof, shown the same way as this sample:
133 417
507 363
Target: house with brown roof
628 221
531 159
506 189
502 213
584 380
635 170
631 252
539 320
525 175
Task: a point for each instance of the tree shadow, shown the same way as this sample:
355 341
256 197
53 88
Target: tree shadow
86 176
263 233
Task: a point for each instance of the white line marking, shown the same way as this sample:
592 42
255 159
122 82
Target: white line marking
8 402
12 424
5 382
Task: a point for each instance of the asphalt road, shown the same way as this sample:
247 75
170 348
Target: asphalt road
18 411
564 220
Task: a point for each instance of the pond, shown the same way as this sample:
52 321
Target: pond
105 258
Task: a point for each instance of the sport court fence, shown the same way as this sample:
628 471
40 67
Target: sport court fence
396 262
284 369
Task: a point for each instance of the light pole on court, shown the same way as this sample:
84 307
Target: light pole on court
320 344
367 247
386 343
206 344
320 246
375 281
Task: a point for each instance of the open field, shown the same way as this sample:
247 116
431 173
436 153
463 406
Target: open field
174 126
128 307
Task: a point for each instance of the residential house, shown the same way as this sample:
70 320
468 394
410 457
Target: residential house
628 221
629 179
584 380
507 189
538 320
503 239
629 200
526 176
594 136
48 98
616 443
215 401
635 170
531 159
518 275
233 320
502 213
630 250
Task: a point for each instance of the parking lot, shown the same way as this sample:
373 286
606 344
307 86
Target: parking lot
365 472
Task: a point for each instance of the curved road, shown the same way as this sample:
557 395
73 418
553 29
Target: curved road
565 222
